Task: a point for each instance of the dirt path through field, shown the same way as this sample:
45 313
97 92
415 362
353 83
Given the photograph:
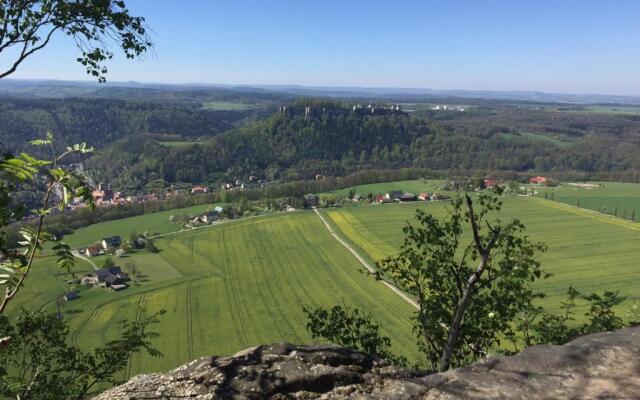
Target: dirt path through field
88 260
364 262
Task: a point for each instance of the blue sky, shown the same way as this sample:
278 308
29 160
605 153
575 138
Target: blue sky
554 46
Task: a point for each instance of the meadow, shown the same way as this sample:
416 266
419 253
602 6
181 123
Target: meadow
590 251
228 287
226 106
154 223
615 198
234 285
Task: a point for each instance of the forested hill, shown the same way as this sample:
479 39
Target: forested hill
100 122
333 139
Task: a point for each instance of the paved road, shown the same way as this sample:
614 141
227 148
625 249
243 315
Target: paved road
365 263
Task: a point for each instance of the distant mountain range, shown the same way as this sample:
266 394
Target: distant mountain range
59 89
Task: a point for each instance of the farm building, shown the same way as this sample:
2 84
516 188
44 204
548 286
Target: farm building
356 198
90 280
424 196
407 197
537 180
490 183
111 276
381 198
393 195
209 217
93 251
111 242
71 296
118 287
199 189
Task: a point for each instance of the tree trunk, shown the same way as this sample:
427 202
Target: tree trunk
454 333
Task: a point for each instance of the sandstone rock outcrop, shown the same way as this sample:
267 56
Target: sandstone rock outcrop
598 366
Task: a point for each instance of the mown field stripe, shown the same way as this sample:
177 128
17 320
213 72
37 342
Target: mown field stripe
365 263
232 290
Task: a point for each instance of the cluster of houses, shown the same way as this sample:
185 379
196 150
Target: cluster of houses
400 196
105 245
447 108
207 218
252 182
111 277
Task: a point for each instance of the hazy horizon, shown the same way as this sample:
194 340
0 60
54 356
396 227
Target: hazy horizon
572 47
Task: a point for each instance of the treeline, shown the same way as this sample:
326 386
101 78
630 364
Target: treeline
100 122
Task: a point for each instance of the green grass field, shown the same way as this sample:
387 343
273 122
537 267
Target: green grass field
630 110
229 287
589 251
622 199
243 283
155 223
226 106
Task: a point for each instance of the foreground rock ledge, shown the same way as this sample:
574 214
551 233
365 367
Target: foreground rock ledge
598 366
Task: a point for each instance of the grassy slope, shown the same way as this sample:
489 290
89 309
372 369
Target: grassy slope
232 286
152 223
590 251
243 283
624 196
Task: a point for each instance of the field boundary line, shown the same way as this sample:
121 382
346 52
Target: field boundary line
592 214
364 262
189 321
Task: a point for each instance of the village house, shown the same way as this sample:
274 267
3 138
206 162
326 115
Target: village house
393 195
381 198
407 197
71 296
424 196
111 242
210 217
490 183
538 180
199 189
89 280
103 194
93 250
356 198
111 276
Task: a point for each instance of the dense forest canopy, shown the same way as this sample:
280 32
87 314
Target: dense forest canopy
338 141
104 121
133 136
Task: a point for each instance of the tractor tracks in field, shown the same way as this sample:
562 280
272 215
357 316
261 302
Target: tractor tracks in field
139 312
190 321
242 334
364 263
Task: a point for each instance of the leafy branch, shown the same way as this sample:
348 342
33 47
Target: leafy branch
24 168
